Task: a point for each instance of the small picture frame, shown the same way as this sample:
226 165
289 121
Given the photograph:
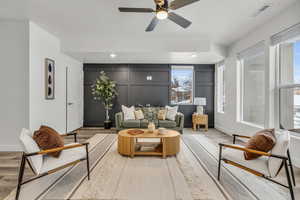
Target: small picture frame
49 79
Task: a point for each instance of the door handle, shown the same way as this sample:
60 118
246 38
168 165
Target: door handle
70 103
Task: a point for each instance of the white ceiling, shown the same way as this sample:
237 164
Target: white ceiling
91 29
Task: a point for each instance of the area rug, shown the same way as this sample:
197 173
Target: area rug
118 177
238 183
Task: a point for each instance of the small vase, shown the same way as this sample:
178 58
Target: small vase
151 127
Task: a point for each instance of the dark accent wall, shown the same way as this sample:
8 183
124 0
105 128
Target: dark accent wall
134 89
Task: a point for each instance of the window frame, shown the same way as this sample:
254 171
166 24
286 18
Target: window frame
192 67
259 48
280 85
221 68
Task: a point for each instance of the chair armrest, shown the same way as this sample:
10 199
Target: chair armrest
179 118
240 136
57 149
69 134
252 151
119 120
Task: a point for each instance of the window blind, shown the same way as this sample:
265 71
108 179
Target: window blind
287 34
252 51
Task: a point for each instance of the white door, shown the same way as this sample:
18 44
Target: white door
74 77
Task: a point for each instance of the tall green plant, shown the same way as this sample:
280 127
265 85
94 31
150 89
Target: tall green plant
105 90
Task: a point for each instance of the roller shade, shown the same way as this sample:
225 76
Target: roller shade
252 51
287 34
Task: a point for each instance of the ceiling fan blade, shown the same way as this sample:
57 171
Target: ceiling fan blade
137 10
181 3
152 24
184 23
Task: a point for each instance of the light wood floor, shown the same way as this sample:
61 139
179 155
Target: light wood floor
10 162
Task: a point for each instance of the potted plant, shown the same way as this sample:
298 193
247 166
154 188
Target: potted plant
104 90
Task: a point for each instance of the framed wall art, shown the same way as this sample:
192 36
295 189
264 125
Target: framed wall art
49 79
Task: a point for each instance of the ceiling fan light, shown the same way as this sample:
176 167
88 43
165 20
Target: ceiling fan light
162 14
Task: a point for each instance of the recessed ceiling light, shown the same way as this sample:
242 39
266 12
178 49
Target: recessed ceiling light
112 55
194 55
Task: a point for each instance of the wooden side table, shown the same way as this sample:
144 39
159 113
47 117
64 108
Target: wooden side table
200 120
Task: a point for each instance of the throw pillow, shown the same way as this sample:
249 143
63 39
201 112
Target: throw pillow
280 148
161 115
30 146
263 140
171 112
128 112
139 115
48 138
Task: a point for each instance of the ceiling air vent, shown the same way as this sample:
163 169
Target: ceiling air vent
261 10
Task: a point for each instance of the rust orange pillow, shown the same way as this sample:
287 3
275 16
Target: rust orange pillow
48 138
263 140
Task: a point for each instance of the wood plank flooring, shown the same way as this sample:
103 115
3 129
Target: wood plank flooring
10 161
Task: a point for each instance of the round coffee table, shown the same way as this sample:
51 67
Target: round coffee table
169 143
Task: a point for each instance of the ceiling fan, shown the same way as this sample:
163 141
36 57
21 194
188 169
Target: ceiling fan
162 12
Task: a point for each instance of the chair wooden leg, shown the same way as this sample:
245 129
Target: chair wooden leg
220 159
20 178
289 180
87 161
233 139
291 167
75 137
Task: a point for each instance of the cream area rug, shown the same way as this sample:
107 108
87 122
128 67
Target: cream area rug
174 178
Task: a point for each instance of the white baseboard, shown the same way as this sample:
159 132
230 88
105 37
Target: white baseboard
10 148
223 130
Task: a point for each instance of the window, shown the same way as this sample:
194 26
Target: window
287 45
220 87
289 90
252 63
182 84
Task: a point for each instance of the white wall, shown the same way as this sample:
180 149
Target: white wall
23 49
227 122
14 85
49 112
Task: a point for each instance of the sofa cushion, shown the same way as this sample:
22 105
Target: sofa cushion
149 113
48 138
139 114
128 112
171 112
144 123
161 115
132 123
166 123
